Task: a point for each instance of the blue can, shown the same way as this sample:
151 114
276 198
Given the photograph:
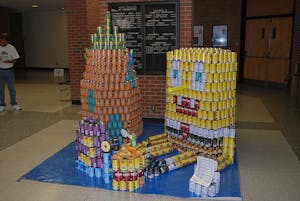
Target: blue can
77 164
91 171
98 172
107 178
81 166
106 158
112 117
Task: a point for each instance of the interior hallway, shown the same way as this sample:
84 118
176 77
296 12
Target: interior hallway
268 142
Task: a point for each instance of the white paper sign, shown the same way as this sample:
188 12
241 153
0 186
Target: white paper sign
204 171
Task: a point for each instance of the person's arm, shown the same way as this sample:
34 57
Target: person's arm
14 55
11 61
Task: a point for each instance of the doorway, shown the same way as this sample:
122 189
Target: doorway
267 50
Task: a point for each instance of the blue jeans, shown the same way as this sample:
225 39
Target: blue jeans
7 77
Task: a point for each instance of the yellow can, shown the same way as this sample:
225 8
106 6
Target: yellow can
130 186
169 63
206 67
84 140
214 87
209 77
221 77
214 125
204 115
220 86
214 106
137 163
115 184
88 161
115 164
216 77
207 106
207 87
216 96
219 68
208 124
210 115
137 183
223 67
234 56
122 185
92 152
215 58
124 165
207 58
212 68
204 96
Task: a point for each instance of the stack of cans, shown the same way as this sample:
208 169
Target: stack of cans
109 40
110 85
90 135
114 127
157 167
128 169
201 101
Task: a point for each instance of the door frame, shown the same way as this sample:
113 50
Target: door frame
243 38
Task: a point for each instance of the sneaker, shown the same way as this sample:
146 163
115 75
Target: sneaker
16 108
2 109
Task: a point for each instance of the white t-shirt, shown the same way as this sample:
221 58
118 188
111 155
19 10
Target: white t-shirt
7 52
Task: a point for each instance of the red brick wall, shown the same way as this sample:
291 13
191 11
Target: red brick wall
78 40
219 12
153 86
92 15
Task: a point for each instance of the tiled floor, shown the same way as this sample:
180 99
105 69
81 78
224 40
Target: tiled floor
268 143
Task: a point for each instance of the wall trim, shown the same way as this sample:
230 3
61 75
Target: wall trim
269 16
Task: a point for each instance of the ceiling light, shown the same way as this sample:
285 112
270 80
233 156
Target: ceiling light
34 6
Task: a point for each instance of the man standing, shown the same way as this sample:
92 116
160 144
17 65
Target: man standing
8 56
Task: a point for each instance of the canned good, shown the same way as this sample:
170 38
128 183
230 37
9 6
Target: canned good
115 184
122 185
124 165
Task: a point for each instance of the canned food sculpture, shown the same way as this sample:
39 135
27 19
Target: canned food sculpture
109 84
92 149
201 101
128 169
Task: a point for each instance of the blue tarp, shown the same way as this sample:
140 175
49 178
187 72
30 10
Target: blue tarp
60 168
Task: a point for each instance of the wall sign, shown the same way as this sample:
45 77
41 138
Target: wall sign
152 29
219 36
128 17
198 36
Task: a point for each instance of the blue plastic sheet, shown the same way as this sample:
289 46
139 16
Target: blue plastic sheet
60 168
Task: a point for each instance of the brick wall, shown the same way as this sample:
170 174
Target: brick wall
153 86
219 12
78 40
92 15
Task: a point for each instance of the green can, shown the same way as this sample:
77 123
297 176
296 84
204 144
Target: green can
133 140
115 30
99 30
